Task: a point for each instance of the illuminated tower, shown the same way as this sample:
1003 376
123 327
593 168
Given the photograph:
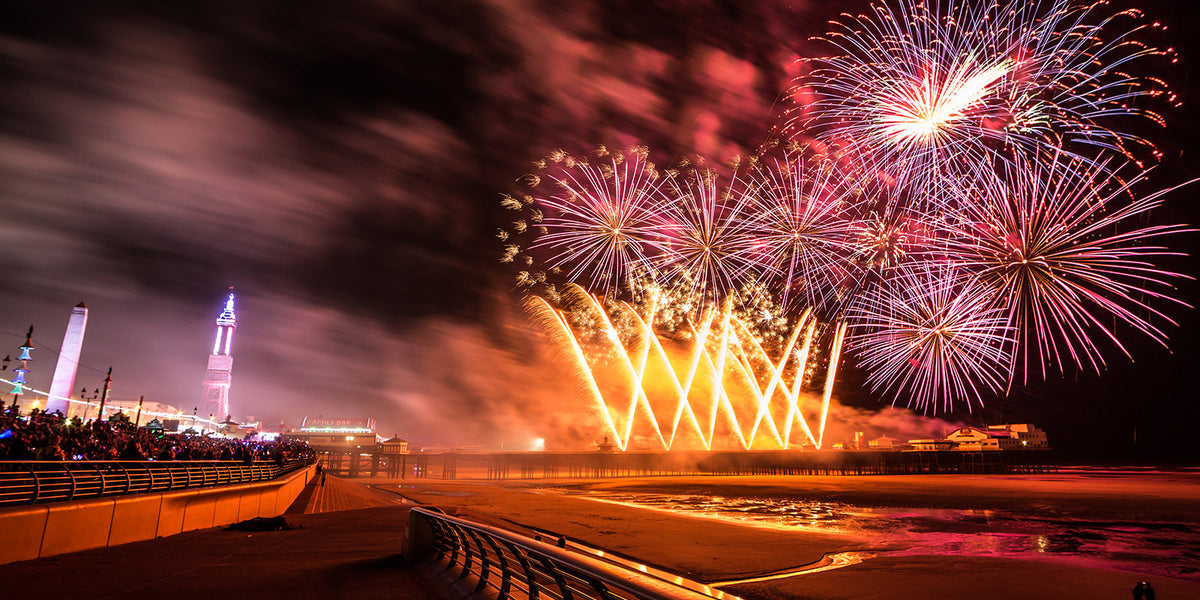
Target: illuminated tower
215 399
68 361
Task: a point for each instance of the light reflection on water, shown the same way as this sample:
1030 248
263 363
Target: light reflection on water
1169 549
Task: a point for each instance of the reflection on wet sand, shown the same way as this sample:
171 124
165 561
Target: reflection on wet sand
1164 548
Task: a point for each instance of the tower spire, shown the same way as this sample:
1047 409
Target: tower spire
219 376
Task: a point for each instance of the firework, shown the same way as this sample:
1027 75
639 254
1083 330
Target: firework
1056 240
967 205
802 234
707 235
930 335
598 219
929 86
699 381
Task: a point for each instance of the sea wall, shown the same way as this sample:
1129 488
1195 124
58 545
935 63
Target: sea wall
28 532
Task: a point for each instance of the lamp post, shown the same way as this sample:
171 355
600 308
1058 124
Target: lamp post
19 380
104 394
87 406
4 367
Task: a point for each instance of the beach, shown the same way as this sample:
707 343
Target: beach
1067 535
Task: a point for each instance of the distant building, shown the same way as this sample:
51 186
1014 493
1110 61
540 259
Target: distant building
1026 435
884 443
395 445
972 439
930 445
150 410
1021 436
336 434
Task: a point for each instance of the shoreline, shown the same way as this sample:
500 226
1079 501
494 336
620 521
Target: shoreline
723 550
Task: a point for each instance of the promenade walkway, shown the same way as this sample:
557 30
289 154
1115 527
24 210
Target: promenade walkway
347 546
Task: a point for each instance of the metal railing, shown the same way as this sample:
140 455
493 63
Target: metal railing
515 566
36 482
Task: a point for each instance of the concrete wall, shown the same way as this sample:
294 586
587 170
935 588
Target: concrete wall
28 532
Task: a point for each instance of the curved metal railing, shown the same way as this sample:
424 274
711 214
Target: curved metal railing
36 482
516 566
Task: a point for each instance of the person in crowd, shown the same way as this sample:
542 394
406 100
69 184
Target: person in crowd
49 436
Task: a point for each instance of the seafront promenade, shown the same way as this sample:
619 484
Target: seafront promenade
346 545
349 540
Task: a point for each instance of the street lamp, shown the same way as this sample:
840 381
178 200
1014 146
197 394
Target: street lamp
87 399
104 393
19 380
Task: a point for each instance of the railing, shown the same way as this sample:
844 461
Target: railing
516 566
36 482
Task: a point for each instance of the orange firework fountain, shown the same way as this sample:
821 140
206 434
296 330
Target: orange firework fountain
711 384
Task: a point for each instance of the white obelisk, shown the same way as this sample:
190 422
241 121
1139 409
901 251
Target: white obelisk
68 361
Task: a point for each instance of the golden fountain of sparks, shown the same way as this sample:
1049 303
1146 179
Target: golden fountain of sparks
715 379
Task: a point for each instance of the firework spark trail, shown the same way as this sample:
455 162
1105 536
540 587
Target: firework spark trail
710 240
931 334
921 118
717 373
794 414
742 362
835 354
931 86
776 377
601 221
548 314
682 388
639 393
1040 237
729 364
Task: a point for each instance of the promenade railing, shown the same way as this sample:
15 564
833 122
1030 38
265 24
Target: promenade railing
36 482
515 566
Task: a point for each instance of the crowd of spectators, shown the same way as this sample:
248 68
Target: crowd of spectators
49 436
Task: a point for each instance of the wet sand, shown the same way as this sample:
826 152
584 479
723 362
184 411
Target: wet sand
712 550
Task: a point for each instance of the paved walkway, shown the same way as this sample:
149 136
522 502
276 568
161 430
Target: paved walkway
338 494
347 546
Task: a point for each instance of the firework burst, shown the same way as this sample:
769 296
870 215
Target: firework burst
967 203
597 222
707 235
930 334
803 236
1057 241
932 86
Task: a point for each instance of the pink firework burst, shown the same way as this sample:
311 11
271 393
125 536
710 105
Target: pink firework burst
930 336
1058 239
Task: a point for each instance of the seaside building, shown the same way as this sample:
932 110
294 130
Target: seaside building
217 380
884 442
1025 435
68 362
139 411
1009 436
930 445
336 434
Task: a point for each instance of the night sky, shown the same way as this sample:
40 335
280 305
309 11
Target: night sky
341 164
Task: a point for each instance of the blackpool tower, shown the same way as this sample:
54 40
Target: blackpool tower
215 400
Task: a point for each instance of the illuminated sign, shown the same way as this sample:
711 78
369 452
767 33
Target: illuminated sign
336 425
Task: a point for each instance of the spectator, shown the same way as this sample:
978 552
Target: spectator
42 436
